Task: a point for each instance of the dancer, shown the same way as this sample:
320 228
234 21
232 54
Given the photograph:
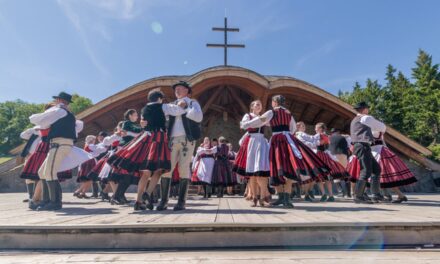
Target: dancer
85 169
184 130
311 142
222 173
394 172
31 135
289 158
231 157
203 166
339 149
362 137
62 134
337 171
253 156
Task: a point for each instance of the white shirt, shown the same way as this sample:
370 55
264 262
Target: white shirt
193 112
373 123
256 122
246 122
309 140
47 118
26 135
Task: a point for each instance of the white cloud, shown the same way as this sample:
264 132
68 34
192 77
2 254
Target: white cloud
76 22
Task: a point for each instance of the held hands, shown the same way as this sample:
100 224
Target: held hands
182 104
144 123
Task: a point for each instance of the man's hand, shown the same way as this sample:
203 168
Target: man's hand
182 104
144 123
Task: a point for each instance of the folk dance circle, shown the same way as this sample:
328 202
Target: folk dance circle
161 150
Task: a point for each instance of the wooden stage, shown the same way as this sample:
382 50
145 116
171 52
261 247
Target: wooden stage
219 223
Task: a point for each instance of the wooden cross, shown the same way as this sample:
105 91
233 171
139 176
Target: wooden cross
225 45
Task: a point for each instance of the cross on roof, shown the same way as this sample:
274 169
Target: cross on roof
225 45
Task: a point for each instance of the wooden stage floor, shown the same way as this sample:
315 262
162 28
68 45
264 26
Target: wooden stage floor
419 219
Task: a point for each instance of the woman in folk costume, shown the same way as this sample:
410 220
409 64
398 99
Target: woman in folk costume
103 169
310 141
253 156
222 173
122 177
149 155
231 157
337 171
85 175
32 137
203 166
394 172
290 159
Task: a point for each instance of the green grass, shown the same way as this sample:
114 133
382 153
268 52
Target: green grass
4 159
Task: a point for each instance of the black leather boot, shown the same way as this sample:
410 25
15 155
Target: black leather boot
54 195
183 190
359 193
45 197
280 199
286 201
95 190
165 184
30 187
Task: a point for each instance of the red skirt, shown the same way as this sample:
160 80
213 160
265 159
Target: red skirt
394 172
222 173
354 168
118 156
337 171
284 163
150 153
85 169
33 164
94 173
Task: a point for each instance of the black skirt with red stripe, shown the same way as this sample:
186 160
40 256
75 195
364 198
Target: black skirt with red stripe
118 156
284 162
85 169
33 164
337 171
94 173
150 153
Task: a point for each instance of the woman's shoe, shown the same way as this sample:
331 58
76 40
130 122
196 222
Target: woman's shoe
140 206
254 202
308 199
331 199
400 200
323 198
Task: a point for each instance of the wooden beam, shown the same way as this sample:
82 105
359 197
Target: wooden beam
212 98
237 98
264 99
333 120
318 115
301 116
95 123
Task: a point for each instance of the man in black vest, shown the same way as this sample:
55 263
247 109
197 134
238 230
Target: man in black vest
362 137
62 135
183 131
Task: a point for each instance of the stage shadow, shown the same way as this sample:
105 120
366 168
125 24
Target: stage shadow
190 210
327 208
83 203
85 211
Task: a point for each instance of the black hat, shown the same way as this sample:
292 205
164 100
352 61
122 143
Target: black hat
65 96
184 84
361 105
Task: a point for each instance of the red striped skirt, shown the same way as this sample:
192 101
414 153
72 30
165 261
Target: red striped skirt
394 172
94 173
354 168
337 171
222 173
284 162
85 169
149 153
239 166
34 162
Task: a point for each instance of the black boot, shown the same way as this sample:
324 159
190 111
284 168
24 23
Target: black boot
205 192
286 201
280 199
209 190
348 188
220 191
183 190
164 193
150 201
359 193
55 197
95 190
118 195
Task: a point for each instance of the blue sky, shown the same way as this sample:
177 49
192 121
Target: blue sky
98 47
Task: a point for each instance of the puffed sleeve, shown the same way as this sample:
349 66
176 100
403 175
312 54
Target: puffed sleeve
194 111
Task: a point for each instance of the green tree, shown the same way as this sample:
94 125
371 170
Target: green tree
14 118
79 103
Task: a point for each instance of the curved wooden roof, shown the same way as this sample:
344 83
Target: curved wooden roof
230 89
